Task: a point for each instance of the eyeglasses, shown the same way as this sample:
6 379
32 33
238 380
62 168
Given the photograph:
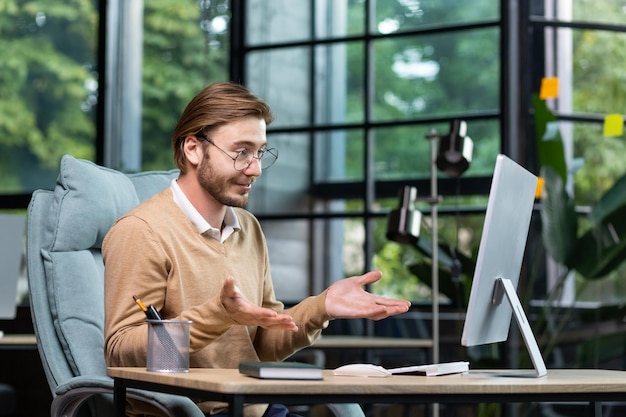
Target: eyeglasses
244 158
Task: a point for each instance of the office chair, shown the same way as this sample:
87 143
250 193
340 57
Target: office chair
65 229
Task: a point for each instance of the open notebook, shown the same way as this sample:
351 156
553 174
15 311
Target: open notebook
11 247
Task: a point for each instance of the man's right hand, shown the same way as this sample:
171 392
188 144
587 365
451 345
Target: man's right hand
243 312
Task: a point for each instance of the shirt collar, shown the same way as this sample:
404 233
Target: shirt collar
231 222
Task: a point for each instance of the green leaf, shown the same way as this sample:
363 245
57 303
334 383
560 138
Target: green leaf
558 218
602 248
614 199
550 150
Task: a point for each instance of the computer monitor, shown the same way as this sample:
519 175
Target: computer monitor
493 297
11 248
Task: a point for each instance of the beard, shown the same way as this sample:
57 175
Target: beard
217 185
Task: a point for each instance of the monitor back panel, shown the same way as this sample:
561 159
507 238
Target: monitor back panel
501 251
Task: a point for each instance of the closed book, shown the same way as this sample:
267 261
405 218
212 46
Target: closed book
281 370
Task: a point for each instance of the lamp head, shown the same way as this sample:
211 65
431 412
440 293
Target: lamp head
455 150
403 223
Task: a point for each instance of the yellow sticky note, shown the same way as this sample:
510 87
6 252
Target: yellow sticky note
549 88
539 189
613 125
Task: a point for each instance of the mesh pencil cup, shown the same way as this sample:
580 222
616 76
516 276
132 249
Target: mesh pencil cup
168 345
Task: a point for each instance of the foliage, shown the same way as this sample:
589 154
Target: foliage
49 81
598 68
47 73
183 53
602 247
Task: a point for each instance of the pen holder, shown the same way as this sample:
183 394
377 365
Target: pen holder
168 345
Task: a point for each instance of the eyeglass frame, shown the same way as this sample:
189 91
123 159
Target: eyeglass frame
259 158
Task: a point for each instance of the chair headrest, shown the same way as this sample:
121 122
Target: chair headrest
88 198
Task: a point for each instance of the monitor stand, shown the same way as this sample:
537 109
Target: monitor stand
504 286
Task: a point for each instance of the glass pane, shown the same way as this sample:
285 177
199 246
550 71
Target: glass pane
407 271
607 12
338 18
436 75
599 161
353 242
277 21
49 90
283 188
339 83
339 155
399 15
281 78
288 243
403 152
180 57
599 59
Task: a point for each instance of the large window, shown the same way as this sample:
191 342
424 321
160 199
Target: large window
356 86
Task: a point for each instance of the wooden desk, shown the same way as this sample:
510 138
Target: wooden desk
571 385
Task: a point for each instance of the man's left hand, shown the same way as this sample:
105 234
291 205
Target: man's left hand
346 299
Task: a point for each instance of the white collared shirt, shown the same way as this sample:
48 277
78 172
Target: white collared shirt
231 223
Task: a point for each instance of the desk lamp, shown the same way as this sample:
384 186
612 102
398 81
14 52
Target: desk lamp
453 158
455 149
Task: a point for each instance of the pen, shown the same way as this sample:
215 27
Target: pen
168 345
150 311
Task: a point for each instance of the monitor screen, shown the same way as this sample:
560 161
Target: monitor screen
11 248
500 256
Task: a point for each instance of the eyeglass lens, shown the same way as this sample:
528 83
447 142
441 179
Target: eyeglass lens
266 159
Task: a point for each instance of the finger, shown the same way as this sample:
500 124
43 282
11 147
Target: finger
370 277
281 326
230 290
281 321
393 302
229 286
393 310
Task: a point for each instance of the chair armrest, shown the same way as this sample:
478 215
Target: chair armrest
70 396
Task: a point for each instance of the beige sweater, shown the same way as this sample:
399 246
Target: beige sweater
155 253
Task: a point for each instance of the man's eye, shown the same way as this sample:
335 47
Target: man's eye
244 153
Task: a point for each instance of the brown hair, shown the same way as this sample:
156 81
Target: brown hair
216 105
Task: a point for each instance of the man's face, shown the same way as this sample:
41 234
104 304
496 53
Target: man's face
216 172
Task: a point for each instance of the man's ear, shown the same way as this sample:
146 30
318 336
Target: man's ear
193 149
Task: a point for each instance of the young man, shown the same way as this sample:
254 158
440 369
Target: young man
194 253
